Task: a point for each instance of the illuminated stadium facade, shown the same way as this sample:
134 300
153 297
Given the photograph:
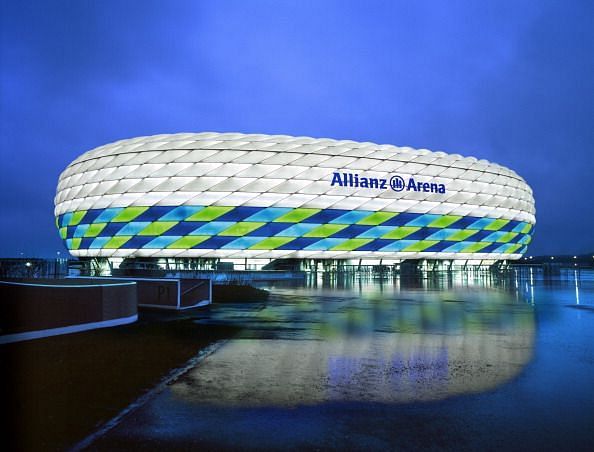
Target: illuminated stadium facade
264 197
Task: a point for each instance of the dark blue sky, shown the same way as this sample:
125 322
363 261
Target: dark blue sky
509 81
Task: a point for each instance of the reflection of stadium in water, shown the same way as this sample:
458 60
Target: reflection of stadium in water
388 344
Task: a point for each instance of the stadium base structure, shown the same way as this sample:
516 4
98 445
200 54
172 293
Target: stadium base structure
248 271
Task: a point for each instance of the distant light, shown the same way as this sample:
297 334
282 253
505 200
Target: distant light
575 257
530 257
575 265
552 257
28 264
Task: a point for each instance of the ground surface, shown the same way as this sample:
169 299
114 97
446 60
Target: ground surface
466 364
60 389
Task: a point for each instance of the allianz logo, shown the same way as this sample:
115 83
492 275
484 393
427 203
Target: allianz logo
395 183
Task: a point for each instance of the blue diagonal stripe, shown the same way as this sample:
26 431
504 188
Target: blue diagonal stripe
181 213
269 214
352 217
162 241
324 244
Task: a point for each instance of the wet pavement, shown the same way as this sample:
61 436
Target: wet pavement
459 362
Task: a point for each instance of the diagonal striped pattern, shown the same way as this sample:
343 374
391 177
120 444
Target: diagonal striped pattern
287 230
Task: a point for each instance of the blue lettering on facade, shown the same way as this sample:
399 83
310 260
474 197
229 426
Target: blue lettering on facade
395 183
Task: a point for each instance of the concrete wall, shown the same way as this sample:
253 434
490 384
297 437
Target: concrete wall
39 308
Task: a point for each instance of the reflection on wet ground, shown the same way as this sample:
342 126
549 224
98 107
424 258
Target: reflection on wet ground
455 363
307 347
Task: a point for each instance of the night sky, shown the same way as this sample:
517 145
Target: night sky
507 81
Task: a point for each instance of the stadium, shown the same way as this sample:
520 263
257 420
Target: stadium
250 200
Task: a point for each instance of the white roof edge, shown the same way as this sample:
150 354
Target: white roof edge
108 149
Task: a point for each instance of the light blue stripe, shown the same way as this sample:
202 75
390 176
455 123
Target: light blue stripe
80 230
423 220
398 245
108 214
162 241
352 217
442 234
494 236
66 219
268 214
99 242
481 224
243 243
181 213
456 248
325 244
503 248
376 232
133 228
521 225
297 230
213 228
524 239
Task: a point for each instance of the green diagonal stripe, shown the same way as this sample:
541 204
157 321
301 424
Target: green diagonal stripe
444 221
475 247
117 242
209 213
496 225
421 245
526 228
271 243
296 215
325 230
128 214
377 218
513 248
462 234
188 241
351 245
77 217
94 229
507 237
400 233
158 227
240 229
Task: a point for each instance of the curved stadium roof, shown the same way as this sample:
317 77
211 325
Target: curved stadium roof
236 195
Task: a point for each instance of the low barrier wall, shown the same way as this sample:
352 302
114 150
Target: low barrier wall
31 309
167 293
